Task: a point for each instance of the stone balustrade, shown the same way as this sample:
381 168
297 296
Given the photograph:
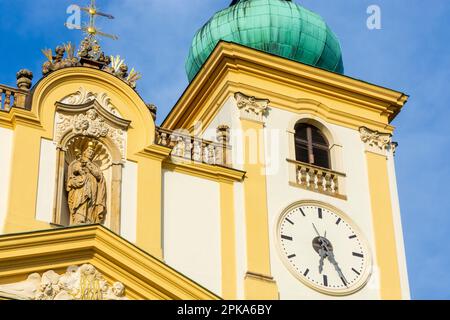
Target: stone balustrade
318 179
195 149
11 97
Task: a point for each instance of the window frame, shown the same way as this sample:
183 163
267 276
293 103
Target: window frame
310 144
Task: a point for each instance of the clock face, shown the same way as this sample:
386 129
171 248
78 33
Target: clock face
323 248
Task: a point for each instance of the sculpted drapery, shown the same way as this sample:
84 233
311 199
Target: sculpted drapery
86 187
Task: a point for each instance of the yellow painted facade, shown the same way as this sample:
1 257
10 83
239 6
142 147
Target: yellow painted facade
384 226
30 246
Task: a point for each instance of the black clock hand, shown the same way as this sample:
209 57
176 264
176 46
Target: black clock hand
317 232
336 266
323 256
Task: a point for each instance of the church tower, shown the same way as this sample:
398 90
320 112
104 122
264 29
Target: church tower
272 177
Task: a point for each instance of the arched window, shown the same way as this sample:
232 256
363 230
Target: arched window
311 146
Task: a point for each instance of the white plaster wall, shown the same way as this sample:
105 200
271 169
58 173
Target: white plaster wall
47 182
398 228
128 211
229 114
281 195
192 234
224 117
6 142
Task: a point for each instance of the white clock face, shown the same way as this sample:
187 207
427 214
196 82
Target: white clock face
323 248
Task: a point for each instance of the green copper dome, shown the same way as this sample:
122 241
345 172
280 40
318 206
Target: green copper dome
279 27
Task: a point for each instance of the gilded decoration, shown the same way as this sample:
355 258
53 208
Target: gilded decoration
78 283
89 53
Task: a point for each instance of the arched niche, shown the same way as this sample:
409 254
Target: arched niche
83 121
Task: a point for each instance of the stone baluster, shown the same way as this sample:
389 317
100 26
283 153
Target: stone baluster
8 102
164 141
310 180
188 148
328 182
197 151
211 154
336 184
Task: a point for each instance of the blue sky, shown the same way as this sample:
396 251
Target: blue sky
411 53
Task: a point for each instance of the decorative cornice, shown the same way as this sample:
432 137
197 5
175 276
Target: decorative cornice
206 171
230 59
252 108
377 142
144 276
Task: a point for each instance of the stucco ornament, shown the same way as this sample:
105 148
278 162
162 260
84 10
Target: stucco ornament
376 141
98 120
252 108
78 283
83 96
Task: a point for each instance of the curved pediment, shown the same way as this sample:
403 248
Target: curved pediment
72 89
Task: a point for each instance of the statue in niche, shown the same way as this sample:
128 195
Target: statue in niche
86 187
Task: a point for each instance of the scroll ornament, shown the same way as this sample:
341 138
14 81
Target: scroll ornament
378 141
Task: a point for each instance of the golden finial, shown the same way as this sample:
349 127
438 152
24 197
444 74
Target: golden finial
91 30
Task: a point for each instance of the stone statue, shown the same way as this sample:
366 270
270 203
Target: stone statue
86 187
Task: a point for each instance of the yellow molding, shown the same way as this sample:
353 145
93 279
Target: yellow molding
296 105
205 171
257 220
228 241
144 276
383 222
156 152
238 66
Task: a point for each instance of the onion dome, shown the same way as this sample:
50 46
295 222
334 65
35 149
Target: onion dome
279 27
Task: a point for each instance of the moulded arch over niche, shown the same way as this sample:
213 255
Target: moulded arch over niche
314 120
127 102
334 142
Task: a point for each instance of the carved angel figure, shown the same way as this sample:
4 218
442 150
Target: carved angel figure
86 187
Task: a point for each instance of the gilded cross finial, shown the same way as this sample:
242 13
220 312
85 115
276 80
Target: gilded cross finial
91 29
89 53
